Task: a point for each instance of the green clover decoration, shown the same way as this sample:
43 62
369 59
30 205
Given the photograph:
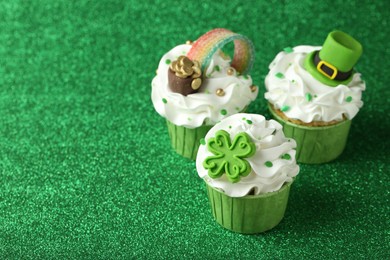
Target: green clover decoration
229 158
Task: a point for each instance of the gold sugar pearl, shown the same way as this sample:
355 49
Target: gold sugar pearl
188 42
253 88
220 92
230 71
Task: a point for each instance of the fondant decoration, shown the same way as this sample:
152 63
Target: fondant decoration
310 100
229 157
333 64
205 47
184 76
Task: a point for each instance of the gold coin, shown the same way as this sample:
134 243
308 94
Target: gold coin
220 92
195 84
195 75
173 65
196 64
180 60
180 75
187 62
182 71
177 67
196 70
187 70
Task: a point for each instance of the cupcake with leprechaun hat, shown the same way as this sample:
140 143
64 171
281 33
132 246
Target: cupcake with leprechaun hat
314 92
248 166
197 85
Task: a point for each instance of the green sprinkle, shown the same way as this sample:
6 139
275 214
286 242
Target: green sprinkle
288 49
223 112
289 64
167 61
246 77
230 127
293 81
237 108
268 164
308 97
249 121
207 91
243 118
315 96
285 108
279 75
189 118
202 141
286 156
216 68
348 99
208 75
164 101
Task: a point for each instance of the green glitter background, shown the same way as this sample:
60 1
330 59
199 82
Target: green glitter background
86 165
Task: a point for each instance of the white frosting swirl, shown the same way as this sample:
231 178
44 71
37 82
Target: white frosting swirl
203 107
291 87
271 146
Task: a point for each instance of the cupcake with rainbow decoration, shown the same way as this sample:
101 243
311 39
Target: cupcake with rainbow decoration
315 92
198 85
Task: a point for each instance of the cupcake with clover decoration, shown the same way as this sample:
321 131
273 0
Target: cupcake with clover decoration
248 166
314 92
197 85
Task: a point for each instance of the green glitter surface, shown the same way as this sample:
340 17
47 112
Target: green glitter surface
87 169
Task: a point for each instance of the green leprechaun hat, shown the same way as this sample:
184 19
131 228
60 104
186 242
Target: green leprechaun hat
333 64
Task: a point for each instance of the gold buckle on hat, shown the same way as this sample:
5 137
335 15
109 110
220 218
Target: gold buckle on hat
334 74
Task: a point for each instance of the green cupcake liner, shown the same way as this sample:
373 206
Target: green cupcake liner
250 214
316 144
185 141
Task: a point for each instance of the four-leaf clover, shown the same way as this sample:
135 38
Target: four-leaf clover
229 157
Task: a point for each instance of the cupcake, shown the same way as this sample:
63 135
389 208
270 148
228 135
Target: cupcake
314 93
198 85
248 166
